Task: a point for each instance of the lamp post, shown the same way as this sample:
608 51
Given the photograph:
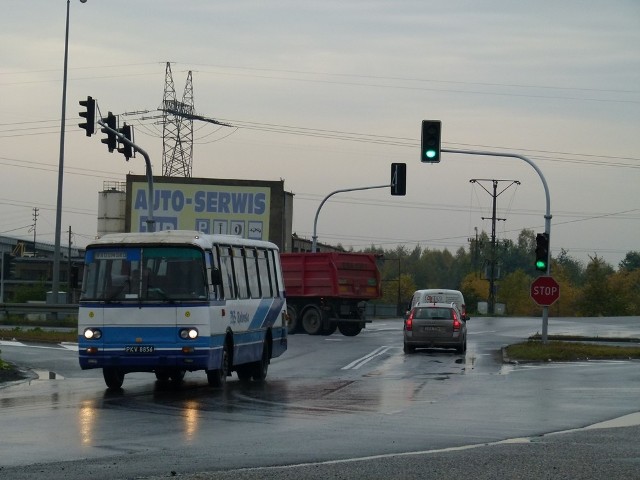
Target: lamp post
55 287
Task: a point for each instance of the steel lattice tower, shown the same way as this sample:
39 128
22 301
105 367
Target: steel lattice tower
177 131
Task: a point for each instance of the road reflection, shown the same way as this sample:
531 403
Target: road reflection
86 421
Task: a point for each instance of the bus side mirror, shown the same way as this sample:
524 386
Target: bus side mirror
216 277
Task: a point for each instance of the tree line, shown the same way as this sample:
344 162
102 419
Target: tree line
594 289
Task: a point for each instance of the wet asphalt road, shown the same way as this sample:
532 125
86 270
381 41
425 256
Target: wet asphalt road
335 407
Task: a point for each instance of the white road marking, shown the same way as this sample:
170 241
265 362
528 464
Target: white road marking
370 356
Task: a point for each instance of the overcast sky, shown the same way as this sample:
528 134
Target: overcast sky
348 84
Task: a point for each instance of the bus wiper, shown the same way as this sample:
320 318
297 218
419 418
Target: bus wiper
160 293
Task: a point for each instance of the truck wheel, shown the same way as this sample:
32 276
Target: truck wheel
312 321
293 325
330 330
349 329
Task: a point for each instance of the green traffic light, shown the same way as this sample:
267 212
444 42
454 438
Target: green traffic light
430 153
541 265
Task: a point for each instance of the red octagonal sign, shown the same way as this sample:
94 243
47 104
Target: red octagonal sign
545 291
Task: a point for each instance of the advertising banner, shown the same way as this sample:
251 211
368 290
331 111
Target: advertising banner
206 207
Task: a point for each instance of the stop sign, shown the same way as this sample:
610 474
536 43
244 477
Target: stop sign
545 291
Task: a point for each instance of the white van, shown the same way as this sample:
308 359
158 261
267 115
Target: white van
439 295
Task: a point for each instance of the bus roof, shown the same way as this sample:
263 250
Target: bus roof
177 237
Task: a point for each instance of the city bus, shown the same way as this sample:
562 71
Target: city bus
175 301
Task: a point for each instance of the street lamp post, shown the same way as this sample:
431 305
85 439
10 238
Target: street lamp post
55 287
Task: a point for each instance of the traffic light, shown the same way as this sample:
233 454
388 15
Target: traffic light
126 149
90 115
542 251
111 140
430 152
399 179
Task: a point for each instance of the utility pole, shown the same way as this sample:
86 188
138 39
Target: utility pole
69 268
493 260
35 221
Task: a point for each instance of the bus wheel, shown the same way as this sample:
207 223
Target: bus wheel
218 378
244 372
349 329
177 375
162 375
113 378
261 367
312 321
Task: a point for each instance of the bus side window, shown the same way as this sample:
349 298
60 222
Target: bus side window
252 272
226 272
240 271
263 271
273 272
215 277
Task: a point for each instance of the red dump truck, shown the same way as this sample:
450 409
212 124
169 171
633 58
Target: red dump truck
329 290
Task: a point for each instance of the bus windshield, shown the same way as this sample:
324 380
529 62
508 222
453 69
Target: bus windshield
115 273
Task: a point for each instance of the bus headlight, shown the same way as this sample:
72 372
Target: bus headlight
92 333
189 333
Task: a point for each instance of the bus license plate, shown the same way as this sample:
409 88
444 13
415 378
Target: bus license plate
139 349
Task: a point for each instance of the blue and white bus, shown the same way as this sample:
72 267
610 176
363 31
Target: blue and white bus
175 301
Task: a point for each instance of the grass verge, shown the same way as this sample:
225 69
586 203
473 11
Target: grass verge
38 334
577 348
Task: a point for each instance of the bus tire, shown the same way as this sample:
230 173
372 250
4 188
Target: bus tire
261 367
349 329
312 321
217 378
244 372
113 377
176 376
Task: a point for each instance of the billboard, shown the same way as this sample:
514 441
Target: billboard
249 209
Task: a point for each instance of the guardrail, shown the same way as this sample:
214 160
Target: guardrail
10 308
373 310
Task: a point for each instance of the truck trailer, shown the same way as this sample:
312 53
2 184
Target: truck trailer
329 290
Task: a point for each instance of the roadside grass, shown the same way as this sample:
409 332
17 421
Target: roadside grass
38 334
571 349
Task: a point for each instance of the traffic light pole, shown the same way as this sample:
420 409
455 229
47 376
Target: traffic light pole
315 220
547 216
150 221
